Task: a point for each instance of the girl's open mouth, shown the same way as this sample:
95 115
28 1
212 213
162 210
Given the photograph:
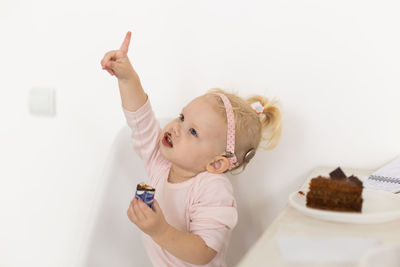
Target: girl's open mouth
167 141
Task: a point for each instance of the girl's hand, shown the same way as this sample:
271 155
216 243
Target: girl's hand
116 62
150 221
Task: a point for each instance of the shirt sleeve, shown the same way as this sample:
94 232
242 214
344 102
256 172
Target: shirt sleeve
145 136
213 214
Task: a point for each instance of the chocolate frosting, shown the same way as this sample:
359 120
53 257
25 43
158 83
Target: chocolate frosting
355 180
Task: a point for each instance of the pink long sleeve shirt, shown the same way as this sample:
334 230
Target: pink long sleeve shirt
203 205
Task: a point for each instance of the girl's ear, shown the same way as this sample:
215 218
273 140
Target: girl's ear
218 165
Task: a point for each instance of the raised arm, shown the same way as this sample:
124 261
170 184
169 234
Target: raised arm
117 63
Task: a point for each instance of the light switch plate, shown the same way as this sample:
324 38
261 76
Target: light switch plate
42 101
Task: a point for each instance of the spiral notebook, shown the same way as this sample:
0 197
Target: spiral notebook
386 178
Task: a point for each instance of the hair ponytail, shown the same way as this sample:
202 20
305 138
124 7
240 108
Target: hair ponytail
271 121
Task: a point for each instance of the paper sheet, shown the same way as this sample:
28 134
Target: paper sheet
386 178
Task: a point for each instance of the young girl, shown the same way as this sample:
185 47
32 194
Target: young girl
194 210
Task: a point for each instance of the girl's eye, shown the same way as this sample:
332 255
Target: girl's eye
193 132
181 117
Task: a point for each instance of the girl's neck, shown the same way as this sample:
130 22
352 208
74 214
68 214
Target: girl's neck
179 175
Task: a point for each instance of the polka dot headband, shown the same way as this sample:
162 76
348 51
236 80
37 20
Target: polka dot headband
230 136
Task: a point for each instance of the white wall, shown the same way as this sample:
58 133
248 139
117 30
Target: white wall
334 65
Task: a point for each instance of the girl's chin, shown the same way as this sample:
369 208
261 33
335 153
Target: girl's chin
165 152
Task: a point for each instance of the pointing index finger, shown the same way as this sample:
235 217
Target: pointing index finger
125 44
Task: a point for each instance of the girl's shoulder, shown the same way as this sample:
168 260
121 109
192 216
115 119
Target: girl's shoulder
212 190
209 183
206 177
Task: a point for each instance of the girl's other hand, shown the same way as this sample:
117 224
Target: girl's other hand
117 63
150 221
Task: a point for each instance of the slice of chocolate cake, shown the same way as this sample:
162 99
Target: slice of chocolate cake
337 192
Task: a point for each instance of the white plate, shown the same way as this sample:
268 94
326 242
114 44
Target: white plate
378 207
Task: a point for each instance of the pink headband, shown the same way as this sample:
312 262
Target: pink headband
230 136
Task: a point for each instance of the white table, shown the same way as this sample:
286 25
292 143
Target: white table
290 222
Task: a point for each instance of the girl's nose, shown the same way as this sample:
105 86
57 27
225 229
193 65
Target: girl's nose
177 130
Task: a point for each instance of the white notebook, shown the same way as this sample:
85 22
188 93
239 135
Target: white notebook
386 178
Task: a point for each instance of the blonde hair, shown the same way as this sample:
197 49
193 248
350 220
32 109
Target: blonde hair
252 130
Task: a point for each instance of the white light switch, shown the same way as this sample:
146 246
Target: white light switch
42 101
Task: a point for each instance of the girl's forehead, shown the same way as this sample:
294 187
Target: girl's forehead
201 112
202 106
